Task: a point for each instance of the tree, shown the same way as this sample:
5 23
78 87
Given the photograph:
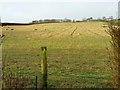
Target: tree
41 21
73 20
47 20
54 20
91 18
35 21
67 20
104 18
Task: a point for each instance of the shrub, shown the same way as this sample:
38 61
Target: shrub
114 31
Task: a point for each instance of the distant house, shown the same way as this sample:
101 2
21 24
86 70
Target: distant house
110 18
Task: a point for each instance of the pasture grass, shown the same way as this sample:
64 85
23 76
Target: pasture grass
77 61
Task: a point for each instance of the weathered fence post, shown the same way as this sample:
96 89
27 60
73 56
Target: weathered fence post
44 67
36 82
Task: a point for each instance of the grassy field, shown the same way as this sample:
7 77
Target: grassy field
77 53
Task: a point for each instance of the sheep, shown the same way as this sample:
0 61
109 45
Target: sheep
2 35
35 29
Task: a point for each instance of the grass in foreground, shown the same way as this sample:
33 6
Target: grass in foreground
79 60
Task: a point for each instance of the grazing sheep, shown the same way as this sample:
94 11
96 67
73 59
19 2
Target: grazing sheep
35 29
2 35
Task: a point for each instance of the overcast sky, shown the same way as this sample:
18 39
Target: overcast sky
19 11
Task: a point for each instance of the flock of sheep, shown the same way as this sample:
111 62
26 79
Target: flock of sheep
3 35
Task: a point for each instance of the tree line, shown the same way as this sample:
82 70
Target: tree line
69 20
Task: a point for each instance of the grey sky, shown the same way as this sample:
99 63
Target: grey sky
28 11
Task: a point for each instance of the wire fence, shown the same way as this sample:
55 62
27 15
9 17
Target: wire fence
21 81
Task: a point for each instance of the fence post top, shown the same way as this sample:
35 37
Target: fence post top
44 48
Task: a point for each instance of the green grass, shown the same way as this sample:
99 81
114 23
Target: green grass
78 61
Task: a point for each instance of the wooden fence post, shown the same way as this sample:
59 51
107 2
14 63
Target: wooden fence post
44 67
36 82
